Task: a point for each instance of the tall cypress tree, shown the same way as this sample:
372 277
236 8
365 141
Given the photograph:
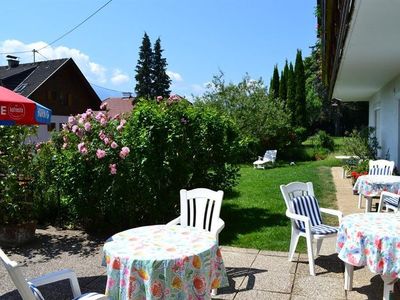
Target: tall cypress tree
291 92
300 96
160 79
274 88
284 82
143 75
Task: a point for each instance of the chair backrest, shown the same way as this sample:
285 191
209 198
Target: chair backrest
200 208
270 155
300 199
16 276
381 167
295 189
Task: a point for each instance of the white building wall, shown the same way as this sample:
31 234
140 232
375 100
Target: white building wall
384 115
43 133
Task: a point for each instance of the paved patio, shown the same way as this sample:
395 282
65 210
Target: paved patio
253 274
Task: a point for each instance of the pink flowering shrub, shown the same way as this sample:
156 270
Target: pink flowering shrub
124 172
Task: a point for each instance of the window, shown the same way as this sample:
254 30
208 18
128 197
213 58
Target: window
51 127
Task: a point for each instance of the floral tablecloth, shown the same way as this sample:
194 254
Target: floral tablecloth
163 262
373 185
373 240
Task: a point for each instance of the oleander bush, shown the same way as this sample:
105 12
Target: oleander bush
123 172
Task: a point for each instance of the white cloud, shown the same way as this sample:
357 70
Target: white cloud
93 71
174 76
119 77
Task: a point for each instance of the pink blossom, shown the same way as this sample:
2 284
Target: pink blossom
65 139
88 126
103 121
116 117
159 98
104 106
114 145
113 169
106 140
75 128
71 120
100 116
102 135
64 145
82 148
89 112
65 127
121 124
124 152
100 153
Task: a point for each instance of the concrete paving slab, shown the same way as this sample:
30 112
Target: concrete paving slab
257 294
277 253
319 287
239 250
330 266
274 264
278 282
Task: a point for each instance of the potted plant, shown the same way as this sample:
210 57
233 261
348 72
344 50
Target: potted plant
17 224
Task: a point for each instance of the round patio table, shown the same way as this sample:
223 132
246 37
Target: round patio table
372 186
163 262
372 240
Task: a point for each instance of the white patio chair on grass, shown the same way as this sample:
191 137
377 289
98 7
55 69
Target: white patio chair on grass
390 201
378 167
200 208
269 157
28 288
305 215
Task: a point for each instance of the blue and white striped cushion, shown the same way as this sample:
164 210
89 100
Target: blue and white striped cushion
323 229
307 206
394 201
35 291
375 170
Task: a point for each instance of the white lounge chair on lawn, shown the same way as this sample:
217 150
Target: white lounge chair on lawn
305 215
269 157
28 288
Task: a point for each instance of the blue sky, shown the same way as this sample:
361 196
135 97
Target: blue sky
199 37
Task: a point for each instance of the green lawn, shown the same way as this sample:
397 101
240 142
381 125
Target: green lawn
254 213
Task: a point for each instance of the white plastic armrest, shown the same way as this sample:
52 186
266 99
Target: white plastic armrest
175 221
334 212
304 219
58 276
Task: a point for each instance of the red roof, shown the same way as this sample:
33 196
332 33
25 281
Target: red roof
117 106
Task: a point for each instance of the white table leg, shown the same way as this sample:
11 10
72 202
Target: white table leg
368 204
388 284
348 276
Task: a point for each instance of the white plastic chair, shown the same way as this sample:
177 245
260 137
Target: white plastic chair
269 157
390 201
200 208
378 167
304 213
28 288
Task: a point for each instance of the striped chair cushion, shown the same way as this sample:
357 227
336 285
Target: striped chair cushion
375 170
35 291
307 206
394 201
323 229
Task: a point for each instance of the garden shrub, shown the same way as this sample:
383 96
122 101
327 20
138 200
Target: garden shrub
15 174
363 143
322 140
125 172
